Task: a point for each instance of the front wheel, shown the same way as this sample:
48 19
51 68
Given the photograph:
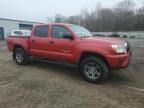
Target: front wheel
21 57
93 69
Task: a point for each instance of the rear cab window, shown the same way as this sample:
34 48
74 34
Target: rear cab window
41 31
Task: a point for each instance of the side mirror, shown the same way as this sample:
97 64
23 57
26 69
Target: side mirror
68 36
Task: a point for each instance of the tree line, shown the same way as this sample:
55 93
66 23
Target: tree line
122 17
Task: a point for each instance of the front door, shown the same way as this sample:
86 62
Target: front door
61 48
1 33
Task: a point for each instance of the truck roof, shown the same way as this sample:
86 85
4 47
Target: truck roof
54 24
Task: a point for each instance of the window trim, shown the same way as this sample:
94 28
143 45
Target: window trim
60 26
41 26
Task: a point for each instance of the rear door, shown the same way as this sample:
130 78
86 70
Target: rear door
39 41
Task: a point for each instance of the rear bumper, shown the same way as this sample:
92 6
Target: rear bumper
119 61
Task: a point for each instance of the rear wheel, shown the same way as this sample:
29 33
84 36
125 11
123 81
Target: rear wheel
21 57
93 69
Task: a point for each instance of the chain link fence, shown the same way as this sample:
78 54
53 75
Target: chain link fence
132 34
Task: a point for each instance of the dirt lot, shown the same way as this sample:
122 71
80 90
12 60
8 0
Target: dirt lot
46 85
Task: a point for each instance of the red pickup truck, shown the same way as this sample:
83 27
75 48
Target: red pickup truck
73 44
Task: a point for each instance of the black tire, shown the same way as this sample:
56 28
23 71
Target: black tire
93 69
20 57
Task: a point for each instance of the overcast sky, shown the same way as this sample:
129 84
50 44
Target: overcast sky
38 10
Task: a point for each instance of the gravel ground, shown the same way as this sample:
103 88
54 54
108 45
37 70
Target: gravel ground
48 85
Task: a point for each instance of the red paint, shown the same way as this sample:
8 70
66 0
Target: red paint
70 50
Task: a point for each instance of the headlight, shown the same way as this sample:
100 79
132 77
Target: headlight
120 48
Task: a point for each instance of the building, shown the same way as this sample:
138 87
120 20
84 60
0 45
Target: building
7 25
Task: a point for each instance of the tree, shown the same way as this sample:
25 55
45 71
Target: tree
57 18
139 19
105 21
124 17
126 5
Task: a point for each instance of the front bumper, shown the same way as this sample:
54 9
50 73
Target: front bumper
119 61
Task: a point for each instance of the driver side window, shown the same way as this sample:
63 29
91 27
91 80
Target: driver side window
59 32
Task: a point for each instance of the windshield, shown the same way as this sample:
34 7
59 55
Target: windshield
80 31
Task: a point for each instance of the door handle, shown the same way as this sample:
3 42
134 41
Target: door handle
33 40
51 42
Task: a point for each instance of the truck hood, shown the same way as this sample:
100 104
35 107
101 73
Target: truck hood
104 40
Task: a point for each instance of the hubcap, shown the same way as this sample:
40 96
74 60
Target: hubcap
92 70
19 57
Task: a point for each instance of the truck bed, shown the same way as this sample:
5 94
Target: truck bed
12 41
